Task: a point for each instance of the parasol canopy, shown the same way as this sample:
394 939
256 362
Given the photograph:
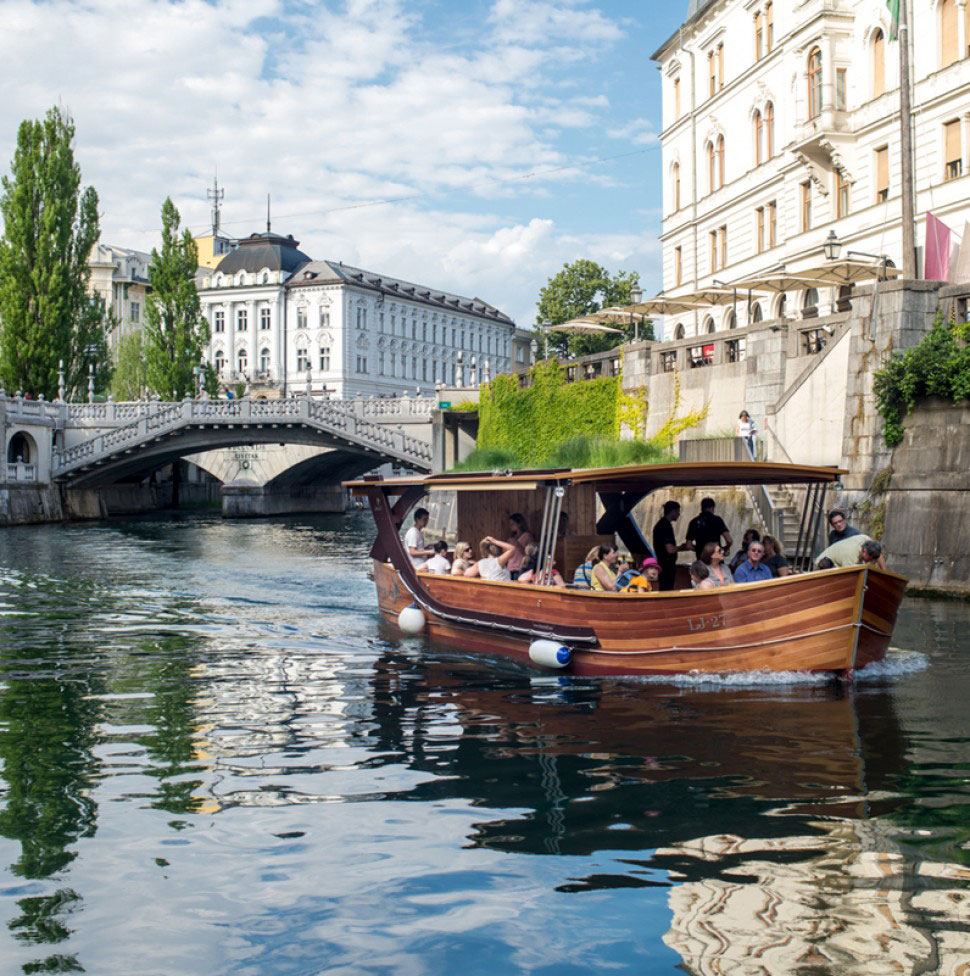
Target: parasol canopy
584 326
833 273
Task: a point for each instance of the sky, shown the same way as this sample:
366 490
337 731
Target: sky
470 145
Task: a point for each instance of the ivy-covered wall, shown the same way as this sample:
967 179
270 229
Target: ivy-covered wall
534 421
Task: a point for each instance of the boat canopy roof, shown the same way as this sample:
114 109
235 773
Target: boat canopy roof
640 477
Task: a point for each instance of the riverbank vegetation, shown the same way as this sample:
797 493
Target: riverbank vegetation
938 366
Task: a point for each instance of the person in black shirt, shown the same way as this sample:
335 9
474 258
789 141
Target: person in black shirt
665 544
840 528
708 527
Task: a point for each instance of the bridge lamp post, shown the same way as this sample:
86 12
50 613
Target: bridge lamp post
91 351
636 295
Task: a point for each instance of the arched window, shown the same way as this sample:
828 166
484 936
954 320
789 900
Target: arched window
264 360
709 324
949 42
810 302
756 313
720 161
20 448
769 130
758 128
711 182
878 63
676 176
844 301
679 331
731 319
782 306
220 362
242 361
815 83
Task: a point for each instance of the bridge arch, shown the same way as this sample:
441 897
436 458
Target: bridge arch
21 447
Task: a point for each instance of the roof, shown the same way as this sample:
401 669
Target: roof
336 272
641 477
695 8
260 251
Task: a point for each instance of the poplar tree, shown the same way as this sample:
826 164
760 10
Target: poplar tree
176 333
50 226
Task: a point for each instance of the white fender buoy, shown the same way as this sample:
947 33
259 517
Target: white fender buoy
549 654
411 620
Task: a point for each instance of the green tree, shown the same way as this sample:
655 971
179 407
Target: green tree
176 333
130 378
50 226
579 289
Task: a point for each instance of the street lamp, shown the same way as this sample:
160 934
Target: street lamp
832 248
636 296
545 325
91 351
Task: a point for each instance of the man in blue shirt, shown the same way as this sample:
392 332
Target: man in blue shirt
753 570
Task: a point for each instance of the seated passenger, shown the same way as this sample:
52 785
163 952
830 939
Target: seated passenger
774 557
848 552
464 559
647 580
753 570
528 574
519 538
494 561
750 535
712 556
603 576
583 577
700 576
438 563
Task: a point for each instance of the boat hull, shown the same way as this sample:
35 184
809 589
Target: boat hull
811 622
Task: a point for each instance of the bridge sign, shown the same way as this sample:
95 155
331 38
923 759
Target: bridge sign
444 404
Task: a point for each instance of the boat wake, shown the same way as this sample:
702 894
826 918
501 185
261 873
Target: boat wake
896 664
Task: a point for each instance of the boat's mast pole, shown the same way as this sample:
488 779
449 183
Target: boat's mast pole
540 555
906 144
558 493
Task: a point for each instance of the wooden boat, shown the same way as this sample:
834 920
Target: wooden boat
834 620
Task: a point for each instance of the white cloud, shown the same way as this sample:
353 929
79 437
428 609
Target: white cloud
327 108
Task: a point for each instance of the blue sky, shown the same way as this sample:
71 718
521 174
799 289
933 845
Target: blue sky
510 135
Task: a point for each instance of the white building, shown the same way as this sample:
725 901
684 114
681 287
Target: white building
119 279
280 319
781 123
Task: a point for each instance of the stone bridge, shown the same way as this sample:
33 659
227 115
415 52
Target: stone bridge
104 443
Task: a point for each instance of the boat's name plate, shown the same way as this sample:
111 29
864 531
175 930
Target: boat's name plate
714 622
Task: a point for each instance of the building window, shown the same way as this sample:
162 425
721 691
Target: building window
265 319
676 98
678 266
264 360
806 205
949 40
735 350
720 161
769 130
302 360
882 174
841 195
732 319
424 370
219 320
680 332
813 342
242 320
722 246
711 181
760 234
709 324
712 73
756 314
325 358
758 131
759 36
815 83
878 63
301 317
361 320
769 27
134 312
841 98
219 362
242 362
668 362
380 362
772 222
698 356
810 303
954 154
324 319
712 240
393 364
720 66
414 367
676 181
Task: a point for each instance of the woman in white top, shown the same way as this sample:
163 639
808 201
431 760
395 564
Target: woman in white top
746 430
495 556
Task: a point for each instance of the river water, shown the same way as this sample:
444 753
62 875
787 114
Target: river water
217 759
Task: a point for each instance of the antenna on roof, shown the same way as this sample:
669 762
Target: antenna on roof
268 225
216 195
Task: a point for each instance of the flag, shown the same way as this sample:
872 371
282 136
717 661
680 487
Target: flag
893 6
936 263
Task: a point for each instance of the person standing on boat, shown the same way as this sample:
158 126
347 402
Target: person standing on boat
494 564
839 527
753 570
708 527
665 544
414 542
519 538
